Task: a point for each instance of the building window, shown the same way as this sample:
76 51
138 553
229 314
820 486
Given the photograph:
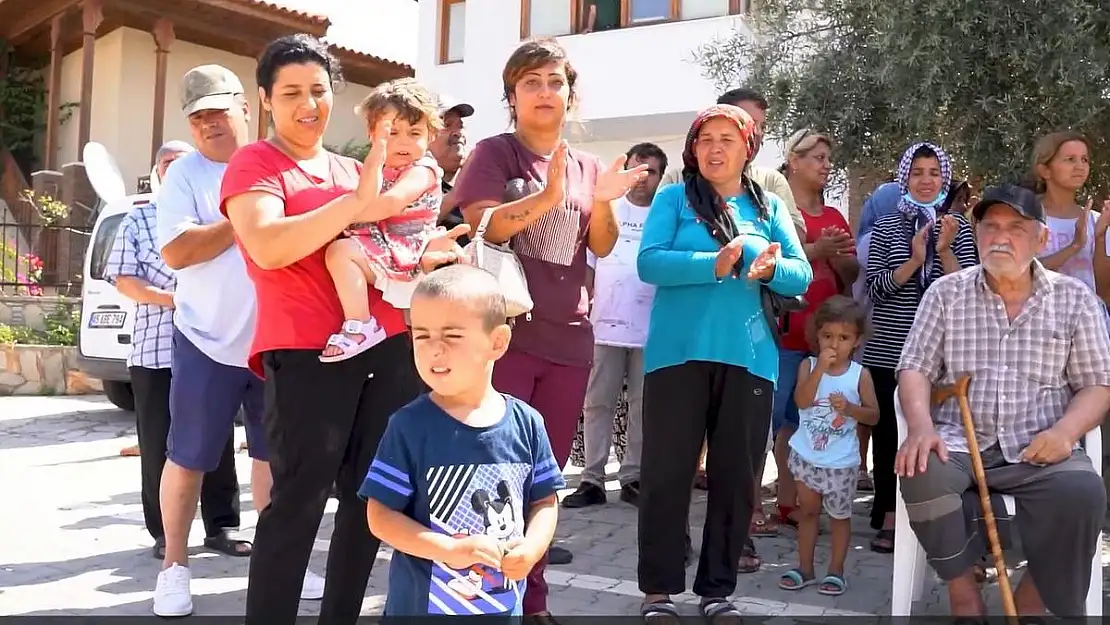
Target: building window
644 11
552 18
548 18
452 30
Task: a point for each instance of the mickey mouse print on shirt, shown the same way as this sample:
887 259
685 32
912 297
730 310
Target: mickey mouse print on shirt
502 523
475 499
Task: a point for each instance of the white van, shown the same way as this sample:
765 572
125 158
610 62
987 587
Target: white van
107 317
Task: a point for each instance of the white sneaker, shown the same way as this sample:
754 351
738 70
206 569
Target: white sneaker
172 596
313 588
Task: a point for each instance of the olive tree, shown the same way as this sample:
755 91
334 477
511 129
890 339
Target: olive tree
983 79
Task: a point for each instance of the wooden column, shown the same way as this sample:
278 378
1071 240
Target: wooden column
163 39
263 122
92 14
54 95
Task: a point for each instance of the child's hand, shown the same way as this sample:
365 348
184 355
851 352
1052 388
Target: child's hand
839 403
826 359
475 549
379 139
520 556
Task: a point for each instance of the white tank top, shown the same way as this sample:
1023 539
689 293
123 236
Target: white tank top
825 438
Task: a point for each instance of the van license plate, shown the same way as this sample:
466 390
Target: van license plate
109 320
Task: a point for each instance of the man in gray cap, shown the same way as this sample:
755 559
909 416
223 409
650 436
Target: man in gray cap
214 322
449 150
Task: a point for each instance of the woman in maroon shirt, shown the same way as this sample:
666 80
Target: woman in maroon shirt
552 203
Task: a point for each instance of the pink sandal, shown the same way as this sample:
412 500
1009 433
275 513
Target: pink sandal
349 344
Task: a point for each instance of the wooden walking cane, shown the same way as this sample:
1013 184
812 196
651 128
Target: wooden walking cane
958 390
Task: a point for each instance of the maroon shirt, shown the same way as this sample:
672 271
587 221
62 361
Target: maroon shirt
552 250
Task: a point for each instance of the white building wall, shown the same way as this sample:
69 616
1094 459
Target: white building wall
123 99
636 72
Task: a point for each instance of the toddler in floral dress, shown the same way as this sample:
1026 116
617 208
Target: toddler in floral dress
383 250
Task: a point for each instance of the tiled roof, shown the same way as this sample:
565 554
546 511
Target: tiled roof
316 18
372 57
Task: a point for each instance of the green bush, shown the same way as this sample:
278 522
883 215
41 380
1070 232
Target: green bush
60 328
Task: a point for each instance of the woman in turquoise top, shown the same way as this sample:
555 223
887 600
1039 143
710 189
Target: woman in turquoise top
711 359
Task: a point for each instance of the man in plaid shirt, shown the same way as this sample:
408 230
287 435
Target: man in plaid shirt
136 269
1036 345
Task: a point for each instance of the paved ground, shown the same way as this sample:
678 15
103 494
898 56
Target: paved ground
75 544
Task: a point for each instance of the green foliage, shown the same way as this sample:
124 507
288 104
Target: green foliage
59 328
354 148
984 80
23 101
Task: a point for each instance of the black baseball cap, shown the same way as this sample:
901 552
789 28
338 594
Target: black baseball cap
1017 197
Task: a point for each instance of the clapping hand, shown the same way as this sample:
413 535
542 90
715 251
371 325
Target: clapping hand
616 181
1103 221
728 256
1082 224
467 551
763 267
917 245
556 183
949 226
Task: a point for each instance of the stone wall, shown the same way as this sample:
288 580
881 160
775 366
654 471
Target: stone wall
43 370
32 311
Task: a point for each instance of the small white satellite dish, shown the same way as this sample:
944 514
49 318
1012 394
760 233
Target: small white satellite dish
103 173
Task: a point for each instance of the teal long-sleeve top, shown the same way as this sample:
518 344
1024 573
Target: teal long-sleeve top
697 317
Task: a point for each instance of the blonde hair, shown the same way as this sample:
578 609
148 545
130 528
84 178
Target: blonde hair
802 143
412 102
1045 149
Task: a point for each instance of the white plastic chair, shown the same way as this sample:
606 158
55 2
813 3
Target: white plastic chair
910 566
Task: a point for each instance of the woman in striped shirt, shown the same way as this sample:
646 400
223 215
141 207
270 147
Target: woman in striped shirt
910 248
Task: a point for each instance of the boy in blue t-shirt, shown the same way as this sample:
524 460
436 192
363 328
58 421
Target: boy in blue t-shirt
463 485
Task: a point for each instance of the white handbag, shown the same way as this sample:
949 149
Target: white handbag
502 262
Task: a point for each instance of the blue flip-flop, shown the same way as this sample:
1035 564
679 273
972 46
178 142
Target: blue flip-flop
837 582
799 580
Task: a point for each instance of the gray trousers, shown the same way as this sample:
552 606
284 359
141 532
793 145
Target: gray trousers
1059 511
612 366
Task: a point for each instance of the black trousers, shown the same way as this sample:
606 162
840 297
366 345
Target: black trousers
884 445
323 424
219 491
684 404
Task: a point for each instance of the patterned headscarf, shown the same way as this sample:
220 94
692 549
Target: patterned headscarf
744 123
707 204
910 206
920 215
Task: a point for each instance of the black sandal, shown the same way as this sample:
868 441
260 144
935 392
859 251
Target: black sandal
748 553
883 542
229 546
719 610
158 551
659 611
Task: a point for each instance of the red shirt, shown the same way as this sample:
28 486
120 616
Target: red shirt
825 284
297 305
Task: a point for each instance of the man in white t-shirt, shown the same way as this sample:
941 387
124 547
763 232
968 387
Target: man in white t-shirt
620 311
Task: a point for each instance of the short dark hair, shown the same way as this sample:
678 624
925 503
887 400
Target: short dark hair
532 55
644 151
470 286
291 50
743 94
841 309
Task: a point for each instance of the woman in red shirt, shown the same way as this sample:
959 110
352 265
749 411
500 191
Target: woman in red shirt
831 252
287 199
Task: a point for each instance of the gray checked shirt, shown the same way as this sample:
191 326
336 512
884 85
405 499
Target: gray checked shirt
135 254
1023 373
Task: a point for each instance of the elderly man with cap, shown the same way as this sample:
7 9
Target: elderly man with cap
449 150
214 322
136 269
1036 344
